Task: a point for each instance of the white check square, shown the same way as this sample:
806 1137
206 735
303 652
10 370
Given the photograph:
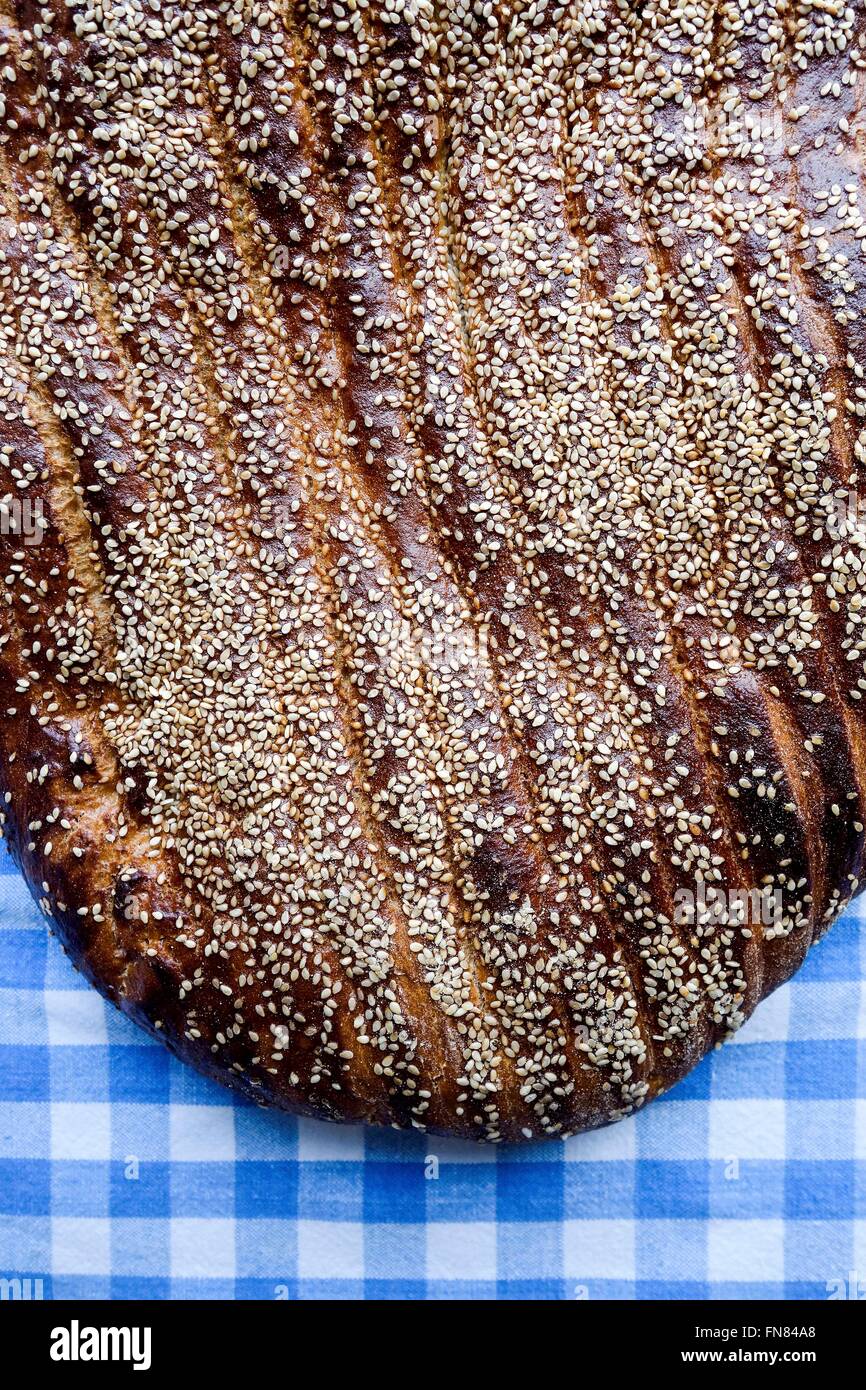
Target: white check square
769 1023
598 1249
330 1250
80 1245
747 1252
75 1017
747 1129
860 1129
80 1130
461 1250
326 1143
202 1133
615 1142
202 1248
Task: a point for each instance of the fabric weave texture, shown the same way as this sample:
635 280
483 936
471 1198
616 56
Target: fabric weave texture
125 1175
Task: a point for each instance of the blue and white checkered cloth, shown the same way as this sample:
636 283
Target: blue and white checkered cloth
125 1175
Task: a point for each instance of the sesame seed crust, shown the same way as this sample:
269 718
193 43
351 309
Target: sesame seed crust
445 424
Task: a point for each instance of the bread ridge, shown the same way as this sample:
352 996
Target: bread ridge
420 611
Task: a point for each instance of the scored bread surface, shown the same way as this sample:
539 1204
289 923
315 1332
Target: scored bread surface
431 449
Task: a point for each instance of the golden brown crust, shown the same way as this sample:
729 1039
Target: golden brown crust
439 589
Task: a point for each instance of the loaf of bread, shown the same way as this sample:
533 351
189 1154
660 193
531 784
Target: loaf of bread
431 459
